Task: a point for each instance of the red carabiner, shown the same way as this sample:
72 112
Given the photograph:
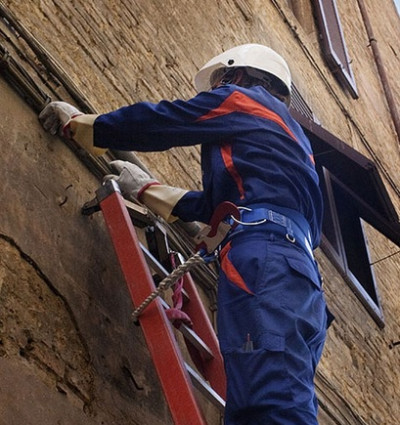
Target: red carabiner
212 235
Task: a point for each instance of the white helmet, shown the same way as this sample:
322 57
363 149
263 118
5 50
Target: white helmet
247 55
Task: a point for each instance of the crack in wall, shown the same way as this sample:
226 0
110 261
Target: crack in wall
37 349
49 284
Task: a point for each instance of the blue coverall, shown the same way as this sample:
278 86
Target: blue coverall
271 309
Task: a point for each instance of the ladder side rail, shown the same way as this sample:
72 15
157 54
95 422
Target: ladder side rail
157 331
206 353
212 369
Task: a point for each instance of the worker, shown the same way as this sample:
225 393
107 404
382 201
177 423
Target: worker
272 316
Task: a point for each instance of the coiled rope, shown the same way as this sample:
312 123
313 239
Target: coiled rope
167 282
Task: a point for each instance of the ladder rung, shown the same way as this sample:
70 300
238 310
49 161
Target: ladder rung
159 336
140 215
153 262
193 338
158 267
205 389
196 341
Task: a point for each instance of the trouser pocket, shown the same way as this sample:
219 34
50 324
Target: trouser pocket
262 388
257 379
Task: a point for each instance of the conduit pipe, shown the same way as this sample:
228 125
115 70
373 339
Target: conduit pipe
381 69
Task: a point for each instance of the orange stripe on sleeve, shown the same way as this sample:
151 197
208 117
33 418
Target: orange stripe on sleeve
239 102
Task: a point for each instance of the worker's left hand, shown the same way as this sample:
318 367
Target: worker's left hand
55 117
132 180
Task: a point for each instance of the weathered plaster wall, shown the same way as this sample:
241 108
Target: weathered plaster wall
68 348
117 52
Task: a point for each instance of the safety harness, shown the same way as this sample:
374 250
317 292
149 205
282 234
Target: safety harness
228 221
283 221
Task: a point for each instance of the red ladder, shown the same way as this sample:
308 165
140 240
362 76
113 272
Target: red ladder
177 378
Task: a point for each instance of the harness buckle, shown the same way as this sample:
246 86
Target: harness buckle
208 239
290 238
252 223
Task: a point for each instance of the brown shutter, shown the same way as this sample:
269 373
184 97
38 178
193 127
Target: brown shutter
333 43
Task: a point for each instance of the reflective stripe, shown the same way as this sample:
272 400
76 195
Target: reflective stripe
239 102
230 270
226 152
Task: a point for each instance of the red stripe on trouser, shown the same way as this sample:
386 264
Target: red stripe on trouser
230 270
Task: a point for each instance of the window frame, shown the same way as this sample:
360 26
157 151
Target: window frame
338 251
333 44
359 176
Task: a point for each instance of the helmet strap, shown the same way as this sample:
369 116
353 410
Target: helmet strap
226 76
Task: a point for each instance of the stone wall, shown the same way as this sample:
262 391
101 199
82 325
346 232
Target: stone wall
69 350
67 345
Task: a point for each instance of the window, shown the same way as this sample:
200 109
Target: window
354 197
333 43
344 241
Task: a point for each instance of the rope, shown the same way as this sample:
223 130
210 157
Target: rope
168 282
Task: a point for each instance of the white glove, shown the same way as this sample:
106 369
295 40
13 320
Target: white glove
55 117
132 180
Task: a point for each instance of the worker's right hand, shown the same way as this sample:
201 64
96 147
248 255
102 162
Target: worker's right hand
56 116
132 180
